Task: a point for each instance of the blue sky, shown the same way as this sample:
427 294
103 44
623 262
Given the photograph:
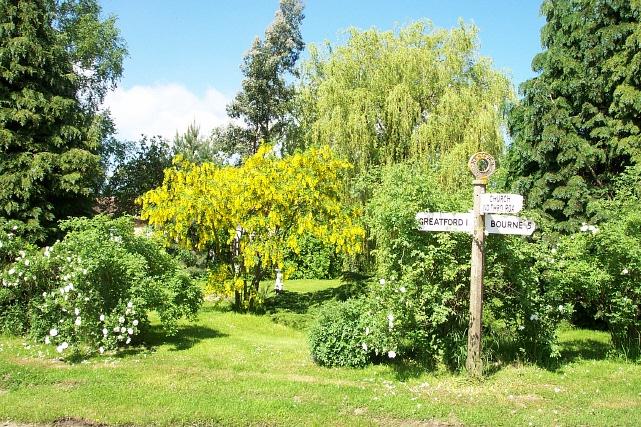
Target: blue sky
184 56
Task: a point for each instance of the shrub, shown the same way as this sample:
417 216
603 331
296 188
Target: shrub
425 287
94 288
338 336
601 267
315 260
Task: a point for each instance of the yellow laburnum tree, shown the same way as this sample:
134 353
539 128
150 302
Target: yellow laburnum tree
249 216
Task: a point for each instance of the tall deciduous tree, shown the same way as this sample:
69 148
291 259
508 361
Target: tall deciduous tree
579 123
264 208
419 93
141 170
264 102
49 139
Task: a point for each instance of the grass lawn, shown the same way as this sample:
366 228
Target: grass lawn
241 369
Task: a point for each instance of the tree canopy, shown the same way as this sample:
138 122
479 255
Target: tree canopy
419 93
261 209
49 128
264 102
579 123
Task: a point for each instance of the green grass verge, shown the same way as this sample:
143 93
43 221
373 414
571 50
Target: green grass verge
242 369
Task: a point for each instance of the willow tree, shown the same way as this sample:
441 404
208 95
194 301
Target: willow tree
418 93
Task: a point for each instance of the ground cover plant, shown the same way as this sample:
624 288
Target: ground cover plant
242 369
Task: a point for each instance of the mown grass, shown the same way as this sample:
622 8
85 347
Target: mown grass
243 369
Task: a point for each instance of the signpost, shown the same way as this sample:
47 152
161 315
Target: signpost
483 218
444 221
501 203
508 224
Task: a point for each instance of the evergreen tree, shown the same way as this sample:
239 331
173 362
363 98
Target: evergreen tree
48 161
264 102
579 123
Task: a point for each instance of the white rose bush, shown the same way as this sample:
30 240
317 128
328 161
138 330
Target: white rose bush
92 291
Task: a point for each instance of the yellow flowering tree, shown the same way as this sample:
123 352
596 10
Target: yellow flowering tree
249 216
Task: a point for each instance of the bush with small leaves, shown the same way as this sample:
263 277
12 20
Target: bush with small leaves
338 336
93 290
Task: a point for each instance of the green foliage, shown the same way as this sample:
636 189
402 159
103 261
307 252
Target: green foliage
249 216
52 78
193 147
314 260
420 307
264 103
141 170
578 125
600 266
94 289
336 339
419 93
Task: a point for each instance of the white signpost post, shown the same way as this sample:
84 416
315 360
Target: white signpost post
484 218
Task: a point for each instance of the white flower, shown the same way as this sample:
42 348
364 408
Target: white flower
78 321
76 311
44 294
521 327
553 250
130 331
105 331
14 228
135 322
390 320
47 340
53 332
130 304
123 329
561 308
102 317
101 350
13 270
116 329
367 330
584 227
594 229
402 289
84 271
59 349
624 271
26 262
382 282
128 340
534 317
121 319
391 354
364 345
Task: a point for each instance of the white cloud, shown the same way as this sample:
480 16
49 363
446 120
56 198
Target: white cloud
163 109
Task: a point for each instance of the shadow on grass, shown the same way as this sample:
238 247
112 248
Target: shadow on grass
571 351
186 337
301 302
584 349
